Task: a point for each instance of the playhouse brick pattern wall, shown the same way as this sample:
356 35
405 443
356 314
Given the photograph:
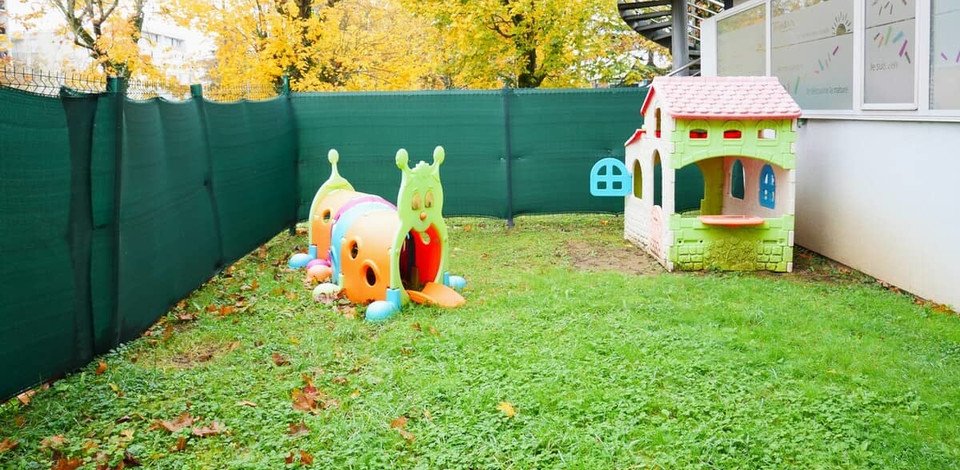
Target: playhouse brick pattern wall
698 246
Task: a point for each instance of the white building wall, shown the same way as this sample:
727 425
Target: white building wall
883 197
41 43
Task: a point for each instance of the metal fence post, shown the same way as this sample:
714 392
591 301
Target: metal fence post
508 152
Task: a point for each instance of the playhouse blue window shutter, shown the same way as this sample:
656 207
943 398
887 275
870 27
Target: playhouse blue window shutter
609 178
768 187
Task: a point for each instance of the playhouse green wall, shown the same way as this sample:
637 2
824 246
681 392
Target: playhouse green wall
778 151
697 246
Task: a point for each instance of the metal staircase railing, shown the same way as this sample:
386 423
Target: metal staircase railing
657 21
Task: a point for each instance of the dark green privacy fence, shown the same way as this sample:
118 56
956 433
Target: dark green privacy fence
509 152
112 209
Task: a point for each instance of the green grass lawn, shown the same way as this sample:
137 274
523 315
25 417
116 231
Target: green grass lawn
823 368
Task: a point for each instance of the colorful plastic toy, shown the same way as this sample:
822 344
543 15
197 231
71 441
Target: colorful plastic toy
381 253
740 133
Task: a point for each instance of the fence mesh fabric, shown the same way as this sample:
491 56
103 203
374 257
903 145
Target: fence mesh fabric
368 129
46 329
112 210
555 136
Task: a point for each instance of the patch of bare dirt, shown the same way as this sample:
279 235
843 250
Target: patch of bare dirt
622 257
202 354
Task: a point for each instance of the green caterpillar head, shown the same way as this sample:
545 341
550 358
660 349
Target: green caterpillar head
420 203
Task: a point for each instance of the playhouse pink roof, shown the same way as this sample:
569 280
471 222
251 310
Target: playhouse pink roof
722 98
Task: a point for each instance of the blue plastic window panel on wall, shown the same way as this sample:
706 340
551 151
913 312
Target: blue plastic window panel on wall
609 178
768 187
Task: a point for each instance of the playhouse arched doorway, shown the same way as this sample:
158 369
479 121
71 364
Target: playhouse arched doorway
736 186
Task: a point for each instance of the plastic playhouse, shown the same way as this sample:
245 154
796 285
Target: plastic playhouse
380 253
739 132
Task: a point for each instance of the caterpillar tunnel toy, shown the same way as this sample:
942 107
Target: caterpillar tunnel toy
374 252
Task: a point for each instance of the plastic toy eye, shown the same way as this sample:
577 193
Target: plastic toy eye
428 200
415 205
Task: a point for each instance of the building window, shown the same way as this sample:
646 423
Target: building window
732 134
768 187
637 180
741 43
889 55
737 178
944 54
812 51
698 134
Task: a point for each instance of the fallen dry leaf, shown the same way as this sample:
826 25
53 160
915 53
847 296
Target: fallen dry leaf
407 435
130 460
116 389
88 446
247 403
427 414
25 397
279 360
299 429
262 252
127 434
8 444
339 380
211 308
507 409
180 445
185 317
64 463
303 401
53 442
306 458
434 332
20 421
182 304
467 228
289 459
355 394
167 332
226 310
349 312
212 430
416 326
399 423
175 425
233 346
101 368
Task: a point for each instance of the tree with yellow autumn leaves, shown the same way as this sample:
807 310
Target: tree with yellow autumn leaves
377 44
531 43
418 44
320 45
